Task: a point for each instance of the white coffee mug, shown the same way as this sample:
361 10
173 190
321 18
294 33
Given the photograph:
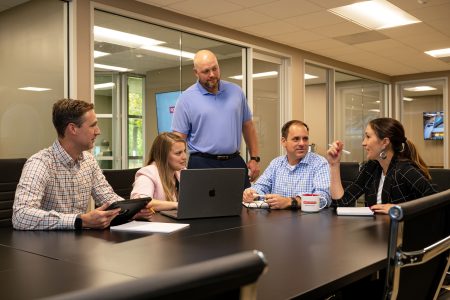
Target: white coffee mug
310 203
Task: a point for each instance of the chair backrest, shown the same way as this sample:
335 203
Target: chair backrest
440 178
228 277
349 172
419 247
10 171
121 181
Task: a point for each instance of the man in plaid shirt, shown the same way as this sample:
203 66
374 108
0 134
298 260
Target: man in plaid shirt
58 182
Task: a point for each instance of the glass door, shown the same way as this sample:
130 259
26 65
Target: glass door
357 101
266 76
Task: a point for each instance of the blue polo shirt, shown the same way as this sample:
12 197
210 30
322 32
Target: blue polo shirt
212 122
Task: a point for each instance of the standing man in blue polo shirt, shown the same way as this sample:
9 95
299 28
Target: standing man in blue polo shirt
212 115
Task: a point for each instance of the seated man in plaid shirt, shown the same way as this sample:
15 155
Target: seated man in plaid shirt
298 172
58 182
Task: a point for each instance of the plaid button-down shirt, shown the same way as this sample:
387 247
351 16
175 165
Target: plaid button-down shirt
54 189
310 175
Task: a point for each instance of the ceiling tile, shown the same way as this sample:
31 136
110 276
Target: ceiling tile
196 8
315 20
382 45
286 8
241 18
296 36
362 37
160 3
417 29
343 28
250 3
338 51
435 12
322 44
270 28
332 3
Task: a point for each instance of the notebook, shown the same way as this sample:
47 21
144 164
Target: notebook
149 227
354 211
206 193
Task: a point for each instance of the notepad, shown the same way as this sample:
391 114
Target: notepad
150 227
256 204
354 211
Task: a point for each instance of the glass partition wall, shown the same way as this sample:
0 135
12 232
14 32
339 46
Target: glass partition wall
140 69
348 101
422 112
33 74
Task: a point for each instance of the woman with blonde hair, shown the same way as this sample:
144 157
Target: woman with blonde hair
160 178
394 172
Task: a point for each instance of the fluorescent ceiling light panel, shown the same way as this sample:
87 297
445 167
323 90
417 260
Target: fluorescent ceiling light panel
112 68
102 34
169 51
408 99
374 110
422 88
262 75
100 53
34 89
308 76
104 86
375 14
439 52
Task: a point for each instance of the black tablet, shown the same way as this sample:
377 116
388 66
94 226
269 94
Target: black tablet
129 208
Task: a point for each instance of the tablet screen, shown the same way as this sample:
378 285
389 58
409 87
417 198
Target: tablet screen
129 208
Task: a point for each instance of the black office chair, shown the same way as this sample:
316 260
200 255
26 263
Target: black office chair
229 277
419 247
440 178
121 181
11 169
349 171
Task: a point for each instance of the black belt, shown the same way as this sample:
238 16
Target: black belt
216 156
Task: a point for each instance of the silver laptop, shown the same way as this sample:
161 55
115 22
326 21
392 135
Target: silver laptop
206 193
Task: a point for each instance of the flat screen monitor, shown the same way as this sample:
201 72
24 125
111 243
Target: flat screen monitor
433 125
165 107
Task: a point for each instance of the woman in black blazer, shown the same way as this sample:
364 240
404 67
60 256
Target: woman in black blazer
394 172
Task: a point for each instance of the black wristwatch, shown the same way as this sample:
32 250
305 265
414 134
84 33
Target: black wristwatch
255 158
294 203
78 223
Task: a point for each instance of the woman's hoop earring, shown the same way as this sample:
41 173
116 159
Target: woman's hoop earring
383 154
403 147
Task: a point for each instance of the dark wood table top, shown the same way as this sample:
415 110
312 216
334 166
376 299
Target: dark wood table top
309 255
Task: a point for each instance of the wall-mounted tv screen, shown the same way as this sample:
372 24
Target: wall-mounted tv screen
433 125
165 106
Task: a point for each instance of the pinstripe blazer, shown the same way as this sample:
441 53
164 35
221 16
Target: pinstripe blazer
403 182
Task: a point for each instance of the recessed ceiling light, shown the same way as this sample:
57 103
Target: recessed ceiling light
102 34
112 68
421 88
100 53
34 89
170 51
408 99
104 86
439 52
374 110
269 74
375 14
308 76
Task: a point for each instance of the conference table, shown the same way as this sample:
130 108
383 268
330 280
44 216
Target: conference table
309 255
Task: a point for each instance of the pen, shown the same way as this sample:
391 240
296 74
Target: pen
343 150
152 210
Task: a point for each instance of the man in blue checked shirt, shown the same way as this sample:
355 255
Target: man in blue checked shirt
298 172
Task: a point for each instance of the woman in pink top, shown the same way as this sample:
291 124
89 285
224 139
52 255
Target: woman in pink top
159 179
